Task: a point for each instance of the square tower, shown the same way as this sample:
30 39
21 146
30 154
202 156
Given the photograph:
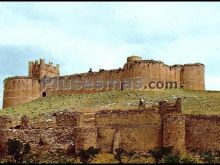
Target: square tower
39 69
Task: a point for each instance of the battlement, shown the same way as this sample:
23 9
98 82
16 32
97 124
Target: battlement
138 130
194 64
38 69
186 76
134 58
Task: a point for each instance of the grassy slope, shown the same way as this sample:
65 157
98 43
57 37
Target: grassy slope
199 102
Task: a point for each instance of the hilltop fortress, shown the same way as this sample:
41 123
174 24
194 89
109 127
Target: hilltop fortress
22 89
136 129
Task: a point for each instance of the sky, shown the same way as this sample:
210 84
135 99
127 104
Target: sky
101 35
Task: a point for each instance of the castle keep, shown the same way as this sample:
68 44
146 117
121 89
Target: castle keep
22 89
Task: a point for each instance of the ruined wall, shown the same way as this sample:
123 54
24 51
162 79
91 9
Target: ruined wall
85 134
136 130
18 90
202 132
68 119
53 139
165 107
174 131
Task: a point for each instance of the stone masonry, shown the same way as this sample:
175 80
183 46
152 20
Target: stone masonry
136 129
22 89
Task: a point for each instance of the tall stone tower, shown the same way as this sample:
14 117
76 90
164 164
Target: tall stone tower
192 76
22 89
174 131
38 70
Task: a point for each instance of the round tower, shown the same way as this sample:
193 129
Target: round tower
174 131
134 58
19 90
192 77
145 71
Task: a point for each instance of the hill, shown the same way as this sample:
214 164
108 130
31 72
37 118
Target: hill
194 102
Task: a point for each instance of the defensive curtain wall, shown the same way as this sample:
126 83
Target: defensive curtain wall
44 79
136 129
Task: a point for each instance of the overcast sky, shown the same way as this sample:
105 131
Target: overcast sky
83 35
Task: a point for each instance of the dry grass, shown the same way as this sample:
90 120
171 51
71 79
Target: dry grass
194 102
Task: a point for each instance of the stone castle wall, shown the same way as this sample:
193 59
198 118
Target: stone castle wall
149 71
19 90
174 131
202 132
38 83
136 130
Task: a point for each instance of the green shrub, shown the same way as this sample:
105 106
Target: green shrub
160 152
207 156
188 161
172 159
119 153
168 156
18 150
88 155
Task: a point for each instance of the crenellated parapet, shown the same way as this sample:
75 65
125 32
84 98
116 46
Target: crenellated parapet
39 69
23 89
187 76
192 76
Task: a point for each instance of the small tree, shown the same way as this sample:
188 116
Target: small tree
160 152
177 159
217 154
71 150
208 156
17 149
88 155
119 153
172 159
188 161
130 155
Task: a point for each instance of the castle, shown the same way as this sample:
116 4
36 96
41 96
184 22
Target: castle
22 89
135 129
